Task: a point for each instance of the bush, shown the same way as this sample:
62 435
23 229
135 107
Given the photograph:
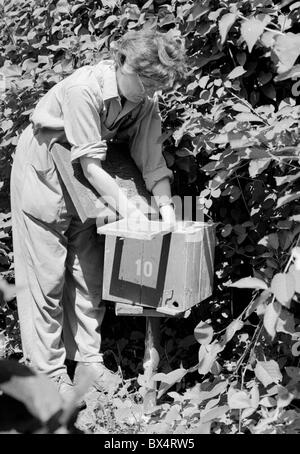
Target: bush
231 136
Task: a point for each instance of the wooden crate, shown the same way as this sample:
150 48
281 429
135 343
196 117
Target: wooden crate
171 272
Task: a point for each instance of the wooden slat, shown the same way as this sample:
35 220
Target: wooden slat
137 311
122 228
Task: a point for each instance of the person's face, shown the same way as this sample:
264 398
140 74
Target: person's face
132 86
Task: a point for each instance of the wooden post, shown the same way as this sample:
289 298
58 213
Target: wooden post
151 361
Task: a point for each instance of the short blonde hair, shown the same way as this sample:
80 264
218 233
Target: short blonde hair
159 57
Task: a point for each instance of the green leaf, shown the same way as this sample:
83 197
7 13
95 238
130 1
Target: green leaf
203 333
169 157
283 287
254 394
201 429
293 373
287 199
271 316
268 372
226 231
184 152
110 20
251 30
12 71
176 397
215 413
268 39
197 11
112 3
284 397
167 19
295 273
36 392
287 179
286 322
29 64
231 329
6 125
212 403
239 139
263 78
269 91
247 412
287 50
258 303
239 107
268 402
295 218
271 241
172 415
203 81
172 377
168 380
294 72
236 72
225 24
285 239
217 390
250 282
257 166
8 290
207 356
245 116
238 400
254 153
220 178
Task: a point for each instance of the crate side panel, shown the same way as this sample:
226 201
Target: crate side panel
207 263
114 288
192 281
175 273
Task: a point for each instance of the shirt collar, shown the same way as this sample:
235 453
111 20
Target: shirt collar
108 80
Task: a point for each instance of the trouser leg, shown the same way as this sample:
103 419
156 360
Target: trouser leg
40 250
26 321
82 296
58 261
39 256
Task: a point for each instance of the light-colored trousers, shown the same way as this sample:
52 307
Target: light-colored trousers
58 262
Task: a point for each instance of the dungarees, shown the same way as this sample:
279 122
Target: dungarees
58 259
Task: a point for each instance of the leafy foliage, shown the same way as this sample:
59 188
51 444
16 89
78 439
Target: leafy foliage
231 135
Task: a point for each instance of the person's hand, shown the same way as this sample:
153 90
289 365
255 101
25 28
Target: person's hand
168 216
137 221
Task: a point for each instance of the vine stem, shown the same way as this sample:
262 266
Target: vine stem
280 159
248 348
259 328
242 194
247 104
